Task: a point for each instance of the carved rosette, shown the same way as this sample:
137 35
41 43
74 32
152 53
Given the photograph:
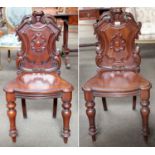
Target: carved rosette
38 43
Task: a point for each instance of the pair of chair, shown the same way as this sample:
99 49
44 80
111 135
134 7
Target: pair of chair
38 63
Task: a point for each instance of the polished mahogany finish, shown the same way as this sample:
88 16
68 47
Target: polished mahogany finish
118 64
38 66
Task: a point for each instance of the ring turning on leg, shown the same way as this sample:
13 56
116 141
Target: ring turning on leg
66 114
145 111
90 111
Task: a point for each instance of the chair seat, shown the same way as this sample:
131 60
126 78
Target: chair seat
8 40
38 83
116 82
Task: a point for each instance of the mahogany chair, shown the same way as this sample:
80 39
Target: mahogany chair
118 65
38 74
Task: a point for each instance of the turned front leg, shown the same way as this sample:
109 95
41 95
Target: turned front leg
66 114
145 111
12 114
90 111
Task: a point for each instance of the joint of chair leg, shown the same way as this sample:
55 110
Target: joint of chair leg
66 105
145 132
90 104
65 133
13 133
145 103
92 131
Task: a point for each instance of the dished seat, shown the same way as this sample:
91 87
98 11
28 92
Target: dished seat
116 82
38 83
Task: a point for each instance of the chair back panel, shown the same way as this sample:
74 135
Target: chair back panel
116 32
38 34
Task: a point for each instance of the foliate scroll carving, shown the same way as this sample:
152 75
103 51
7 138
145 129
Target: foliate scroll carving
38 33
116 32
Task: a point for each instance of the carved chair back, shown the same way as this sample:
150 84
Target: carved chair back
116 31
38 33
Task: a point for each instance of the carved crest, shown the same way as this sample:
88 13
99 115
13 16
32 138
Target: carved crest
116 31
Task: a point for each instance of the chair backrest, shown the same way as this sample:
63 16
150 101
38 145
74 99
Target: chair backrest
116 31
38 33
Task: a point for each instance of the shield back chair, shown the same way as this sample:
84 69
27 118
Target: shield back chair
118 65
38 70
12 17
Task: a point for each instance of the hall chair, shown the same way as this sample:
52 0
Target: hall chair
118 66
38 70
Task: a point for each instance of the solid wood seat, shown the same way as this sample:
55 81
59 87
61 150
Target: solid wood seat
118 65
110 82
38 83
38 70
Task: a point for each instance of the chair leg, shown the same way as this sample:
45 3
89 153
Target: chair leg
145 111
24 108
55 107
66 114
104 104
90 111
12 115
9 56
134 102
